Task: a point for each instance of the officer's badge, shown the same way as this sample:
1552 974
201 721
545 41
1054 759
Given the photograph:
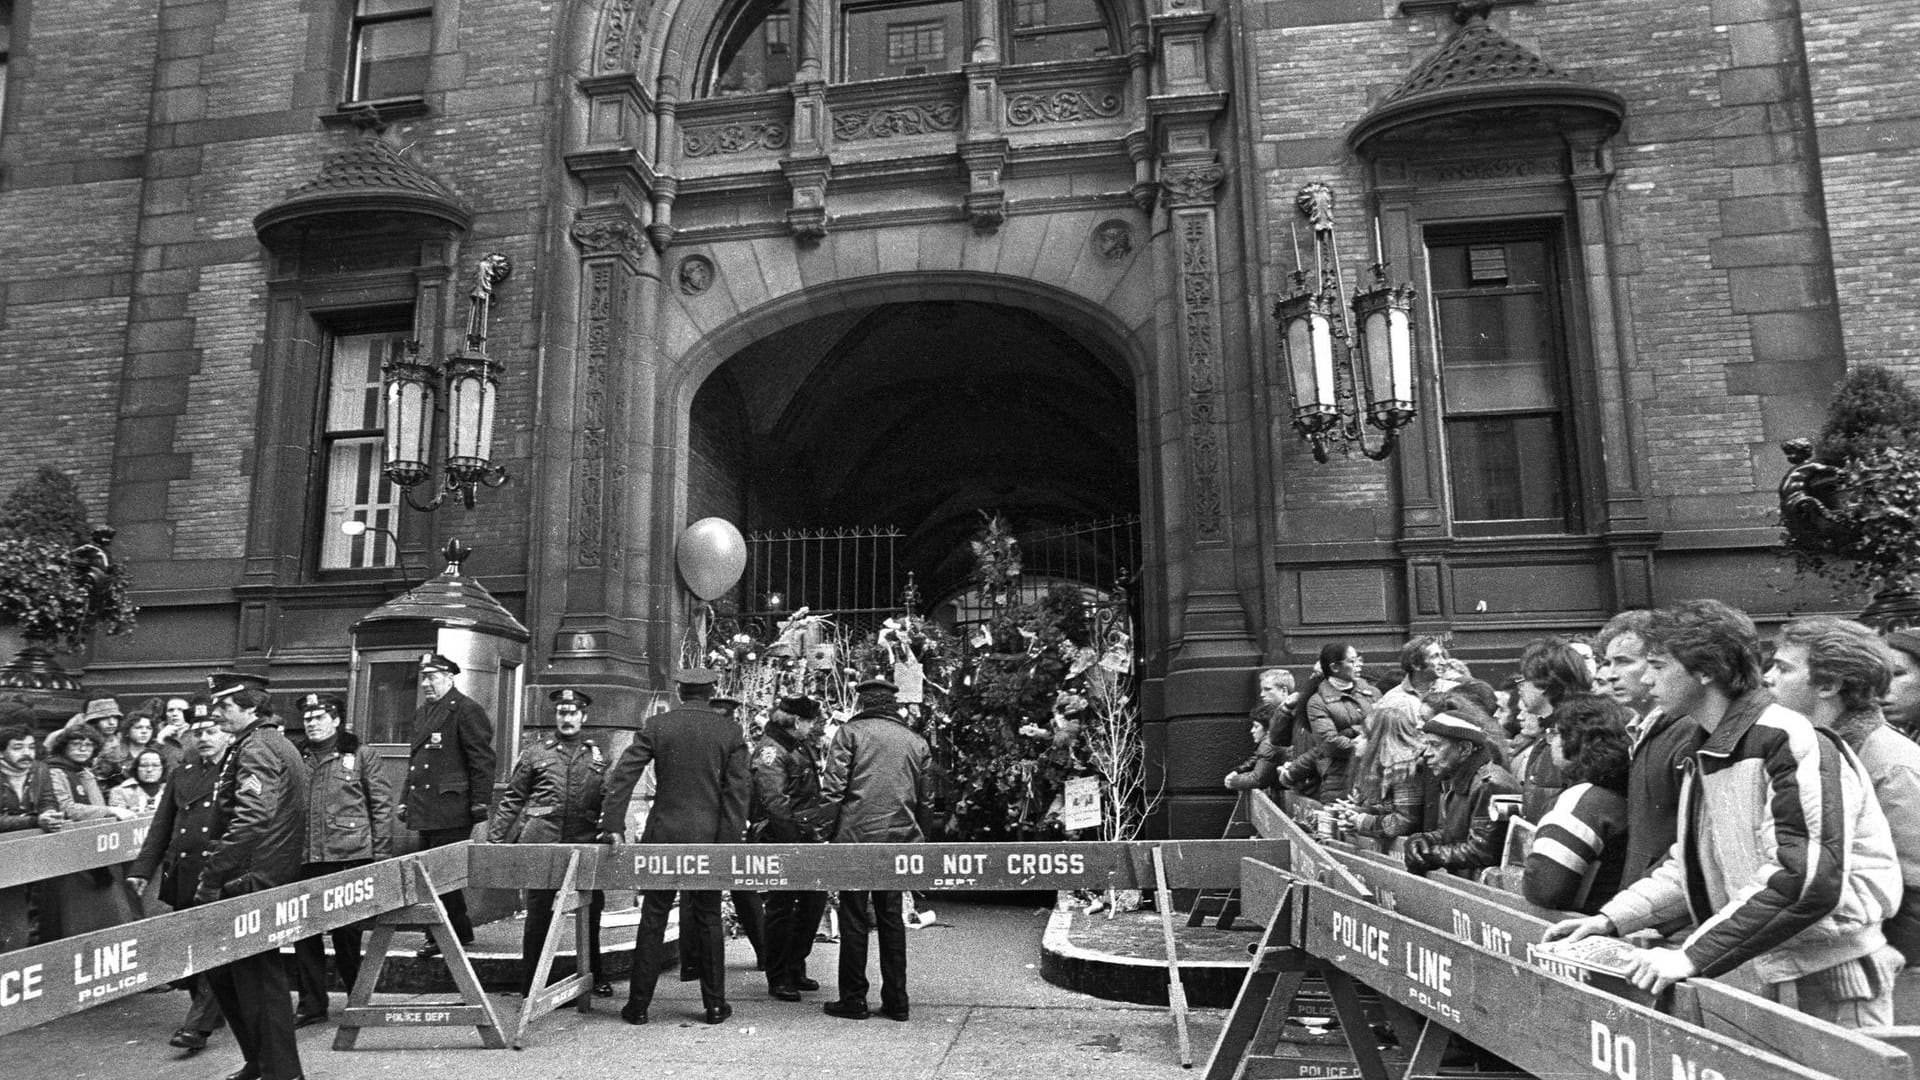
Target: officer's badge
346 762
250 784
768 755
597 759
433 739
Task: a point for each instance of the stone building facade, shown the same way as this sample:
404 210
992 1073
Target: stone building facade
799 263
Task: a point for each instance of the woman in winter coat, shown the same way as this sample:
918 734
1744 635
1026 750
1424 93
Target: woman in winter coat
1389 782
140 792
90 899
1337 704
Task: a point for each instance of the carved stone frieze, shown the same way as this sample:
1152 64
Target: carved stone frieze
1062 106
607 236
737 138
891 121
1199 341
1113 239
1191 185
590 462
1506 168
621 28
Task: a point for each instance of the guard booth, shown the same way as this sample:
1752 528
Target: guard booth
454 615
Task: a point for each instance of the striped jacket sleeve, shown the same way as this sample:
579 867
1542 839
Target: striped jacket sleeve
1567 849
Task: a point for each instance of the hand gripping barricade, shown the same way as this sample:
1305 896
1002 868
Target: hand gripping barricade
1446 956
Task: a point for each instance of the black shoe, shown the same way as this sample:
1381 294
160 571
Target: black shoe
806 984
247 1072
688 974
718 1013
783 993
308 1019
895 1014
428 951
603 988
633 1014
189 1039
846 1010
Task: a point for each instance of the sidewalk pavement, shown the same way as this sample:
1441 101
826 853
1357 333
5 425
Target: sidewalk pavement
980 1009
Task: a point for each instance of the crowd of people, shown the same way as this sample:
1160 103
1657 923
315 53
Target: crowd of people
1723 801
240 804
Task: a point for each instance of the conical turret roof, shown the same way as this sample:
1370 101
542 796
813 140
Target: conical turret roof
368 177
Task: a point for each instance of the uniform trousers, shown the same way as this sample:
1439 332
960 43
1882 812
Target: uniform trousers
456 901
310 956
792 919
203 1009
540 904
700 920
862 913
253 994
750 913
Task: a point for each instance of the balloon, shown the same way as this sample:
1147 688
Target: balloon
711 555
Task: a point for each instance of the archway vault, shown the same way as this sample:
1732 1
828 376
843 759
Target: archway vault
918 401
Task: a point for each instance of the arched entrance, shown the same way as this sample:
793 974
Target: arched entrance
919 415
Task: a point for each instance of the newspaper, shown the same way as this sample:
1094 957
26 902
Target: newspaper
1601 955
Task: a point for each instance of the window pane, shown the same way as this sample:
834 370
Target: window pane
760 55
902 39
392 694
357 491
390 58
353 392
1506 467
1496 353
1061 45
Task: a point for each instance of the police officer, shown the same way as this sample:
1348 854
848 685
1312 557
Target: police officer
748 910
449 775
349 823
554 798
701 783
787 809
257 842
877 784
176 847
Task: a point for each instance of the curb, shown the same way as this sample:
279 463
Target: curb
1140 980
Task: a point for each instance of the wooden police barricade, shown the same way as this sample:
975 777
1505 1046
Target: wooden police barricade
1484 920
27 858
1195 864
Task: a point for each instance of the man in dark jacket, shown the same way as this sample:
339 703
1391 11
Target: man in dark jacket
176 848
1662 745
554 798
257 842
787 809
349 823
700 797
877 784
21 779
1456 750
449 775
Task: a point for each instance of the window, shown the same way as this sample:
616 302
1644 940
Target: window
1049 30
881 41
392 41
1503 376
352 443
757 54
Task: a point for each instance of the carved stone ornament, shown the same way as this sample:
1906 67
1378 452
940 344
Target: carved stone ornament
734 138
1191 185
606 236
620 31
1061 106
1113 239
695 274
890 121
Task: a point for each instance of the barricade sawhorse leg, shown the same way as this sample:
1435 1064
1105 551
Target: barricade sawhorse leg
474 1009
577 987
1176 990
1224 902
